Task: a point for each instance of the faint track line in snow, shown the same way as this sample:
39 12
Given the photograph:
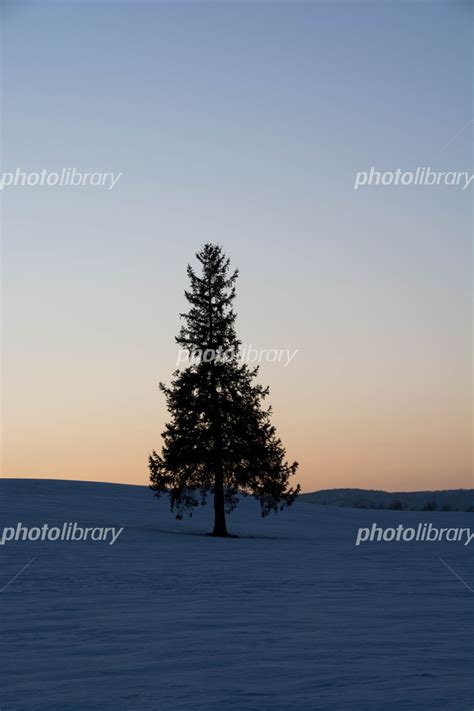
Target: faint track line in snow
16 576
458 576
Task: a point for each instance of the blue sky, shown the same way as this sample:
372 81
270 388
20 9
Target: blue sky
243 123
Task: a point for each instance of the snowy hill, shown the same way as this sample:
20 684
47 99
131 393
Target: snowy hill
291 616
445 500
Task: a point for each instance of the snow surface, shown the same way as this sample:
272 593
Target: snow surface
291 616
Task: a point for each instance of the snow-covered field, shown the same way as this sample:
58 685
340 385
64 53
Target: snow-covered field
291 616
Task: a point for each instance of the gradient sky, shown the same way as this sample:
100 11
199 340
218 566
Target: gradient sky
242 123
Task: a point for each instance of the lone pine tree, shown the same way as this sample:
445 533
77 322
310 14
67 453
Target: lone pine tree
219 439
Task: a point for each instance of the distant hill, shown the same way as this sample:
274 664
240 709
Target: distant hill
444 500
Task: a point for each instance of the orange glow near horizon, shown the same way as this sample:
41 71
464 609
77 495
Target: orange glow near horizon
377 442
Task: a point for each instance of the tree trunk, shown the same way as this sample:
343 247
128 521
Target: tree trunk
220 528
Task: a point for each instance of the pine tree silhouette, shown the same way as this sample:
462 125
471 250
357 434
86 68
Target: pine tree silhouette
219 439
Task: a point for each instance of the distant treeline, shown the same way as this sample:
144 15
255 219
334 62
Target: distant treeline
446 500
